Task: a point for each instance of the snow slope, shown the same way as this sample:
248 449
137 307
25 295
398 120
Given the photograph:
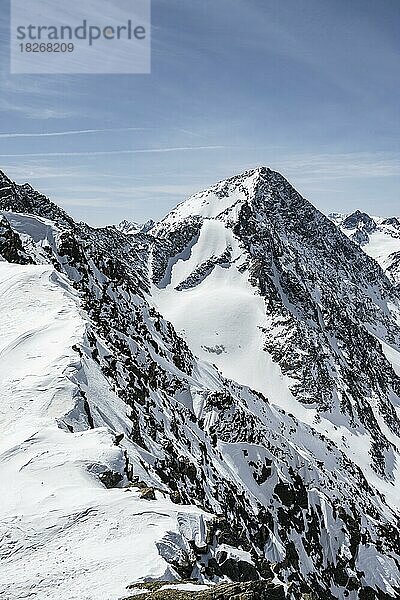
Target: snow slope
62 533
222 316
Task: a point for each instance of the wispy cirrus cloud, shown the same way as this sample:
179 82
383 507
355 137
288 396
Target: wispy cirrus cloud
114 152
342 165
12 135
35 110
92 195
37 97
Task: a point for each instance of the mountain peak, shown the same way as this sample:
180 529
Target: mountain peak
360 220
133 228
228 195
379 237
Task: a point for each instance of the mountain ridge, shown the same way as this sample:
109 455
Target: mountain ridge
286 498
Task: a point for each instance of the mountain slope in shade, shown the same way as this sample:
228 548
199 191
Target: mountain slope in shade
293 481
379 237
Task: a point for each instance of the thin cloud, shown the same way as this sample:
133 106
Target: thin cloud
35 112
342 166
12 134
116 152
71 132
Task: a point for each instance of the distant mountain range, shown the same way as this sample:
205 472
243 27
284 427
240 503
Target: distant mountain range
379 237
208 404
132 228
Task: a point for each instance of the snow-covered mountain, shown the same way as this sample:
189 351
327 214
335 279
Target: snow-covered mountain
132 228
379 237
215 399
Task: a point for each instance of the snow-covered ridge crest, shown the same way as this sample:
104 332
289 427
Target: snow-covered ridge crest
65 535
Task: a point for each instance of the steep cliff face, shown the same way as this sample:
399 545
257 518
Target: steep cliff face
238 354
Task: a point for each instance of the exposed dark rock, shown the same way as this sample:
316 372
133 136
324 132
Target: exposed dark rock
11 248
110 479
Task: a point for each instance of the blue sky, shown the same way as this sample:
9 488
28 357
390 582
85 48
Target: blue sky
307 87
